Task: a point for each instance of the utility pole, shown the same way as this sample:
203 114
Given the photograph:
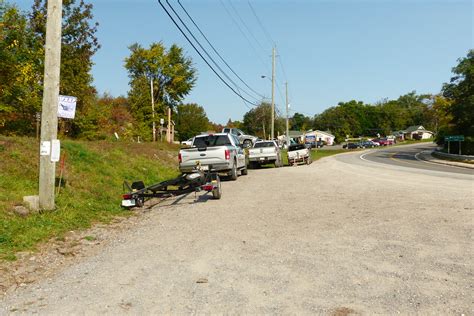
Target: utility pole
153 109
49 117
273 94
287 105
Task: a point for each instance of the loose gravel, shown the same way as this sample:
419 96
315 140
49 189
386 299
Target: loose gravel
336 237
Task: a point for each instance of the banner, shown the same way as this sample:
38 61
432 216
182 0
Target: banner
67 106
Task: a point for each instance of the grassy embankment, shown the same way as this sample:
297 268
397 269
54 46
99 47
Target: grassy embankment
94 172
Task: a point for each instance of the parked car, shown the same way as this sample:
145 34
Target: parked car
188 142
246 140
298 153
351 145
265 152
368 144
384 141
222 151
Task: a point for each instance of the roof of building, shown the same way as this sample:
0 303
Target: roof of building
414 128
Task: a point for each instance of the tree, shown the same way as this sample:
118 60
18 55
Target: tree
191 121
257 121
300 122
21 55
460 91
173 78
79 44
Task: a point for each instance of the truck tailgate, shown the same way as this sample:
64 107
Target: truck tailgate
263 152
206 156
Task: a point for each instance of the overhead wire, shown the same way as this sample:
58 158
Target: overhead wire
215 50
245 36
205 51
203 58
267 34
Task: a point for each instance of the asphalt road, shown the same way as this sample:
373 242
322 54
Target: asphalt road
413 157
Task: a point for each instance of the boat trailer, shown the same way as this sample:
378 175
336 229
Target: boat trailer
199 180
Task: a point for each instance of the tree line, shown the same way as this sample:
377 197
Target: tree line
165 75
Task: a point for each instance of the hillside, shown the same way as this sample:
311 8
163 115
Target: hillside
94 173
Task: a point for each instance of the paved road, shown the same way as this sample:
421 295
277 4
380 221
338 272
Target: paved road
340 236
408 156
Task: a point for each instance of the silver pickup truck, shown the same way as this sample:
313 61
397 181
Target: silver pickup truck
222 151
265 152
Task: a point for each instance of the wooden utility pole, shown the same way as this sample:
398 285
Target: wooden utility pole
287 105
273 94
153 109
49 117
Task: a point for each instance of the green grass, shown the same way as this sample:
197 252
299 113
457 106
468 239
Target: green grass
321 153
94 172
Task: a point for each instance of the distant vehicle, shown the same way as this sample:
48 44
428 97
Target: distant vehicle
188 142
351 146
265 152
298 153
368 144
384 141
246 140
222 151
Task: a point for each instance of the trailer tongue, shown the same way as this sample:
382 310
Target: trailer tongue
200 180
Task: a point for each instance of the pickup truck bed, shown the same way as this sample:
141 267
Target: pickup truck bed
265 152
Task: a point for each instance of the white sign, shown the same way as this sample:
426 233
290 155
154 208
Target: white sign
162 121
55 150
45 148
67 106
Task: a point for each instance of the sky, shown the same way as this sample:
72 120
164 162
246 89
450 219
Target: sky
328 51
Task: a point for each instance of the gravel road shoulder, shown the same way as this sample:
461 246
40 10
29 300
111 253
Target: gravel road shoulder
330 238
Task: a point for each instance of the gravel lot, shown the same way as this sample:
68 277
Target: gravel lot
340 236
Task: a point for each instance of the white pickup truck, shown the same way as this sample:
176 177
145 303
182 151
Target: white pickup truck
265 152
221 151
298 153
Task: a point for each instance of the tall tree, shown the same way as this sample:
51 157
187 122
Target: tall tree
461 91
79 44
191 120
257 121
173 76
21 55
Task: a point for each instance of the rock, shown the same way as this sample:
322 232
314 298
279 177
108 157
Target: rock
32 202
21 211
202 280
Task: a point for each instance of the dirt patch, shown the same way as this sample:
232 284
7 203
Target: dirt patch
56 254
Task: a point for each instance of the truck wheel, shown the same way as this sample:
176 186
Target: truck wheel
309 160
233 172
247 143
217 192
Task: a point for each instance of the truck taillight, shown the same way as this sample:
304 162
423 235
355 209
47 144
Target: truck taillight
180 158
227 154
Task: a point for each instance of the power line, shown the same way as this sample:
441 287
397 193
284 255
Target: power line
245 36
212 46
246 26
269 38
199 53
205 51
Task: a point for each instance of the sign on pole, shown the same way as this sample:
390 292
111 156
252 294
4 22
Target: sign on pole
454 138
67 106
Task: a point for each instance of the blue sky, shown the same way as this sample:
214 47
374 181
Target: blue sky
331 51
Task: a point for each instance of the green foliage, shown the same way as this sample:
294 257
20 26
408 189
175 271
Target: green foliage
257 121
94 171
20 72
460 91
21 64
79 44
191 120
173 78
300 122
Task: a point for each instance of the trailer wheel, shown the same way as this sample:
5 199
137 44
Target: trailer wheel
140 202
217 192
